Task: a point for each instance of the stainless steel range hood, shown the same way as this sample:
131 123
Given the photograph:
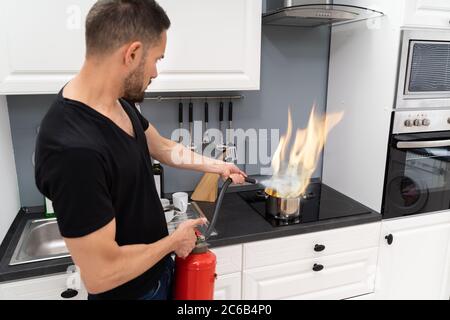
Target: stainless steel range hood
314 13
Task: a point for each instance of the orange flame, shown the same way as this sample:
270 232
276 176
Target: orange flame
291 176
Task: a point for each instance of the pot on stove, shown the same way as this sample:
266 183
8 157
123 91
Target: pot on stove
281 208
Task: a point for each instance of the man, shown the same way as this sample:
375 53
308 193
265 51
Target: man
93 158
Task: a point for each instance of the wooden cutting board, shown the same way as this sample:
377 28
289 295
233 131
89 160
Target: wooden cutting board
207 189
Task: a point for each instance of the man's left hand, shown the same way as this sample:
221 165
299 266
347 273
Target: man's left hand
229 170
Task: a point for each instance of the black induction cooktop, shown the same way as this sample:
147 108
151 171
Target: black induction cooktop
320 203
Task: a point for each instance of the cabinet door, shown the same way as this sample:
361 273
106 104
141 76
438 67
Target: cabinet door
339 276
212 45
229 259
427 13
415 264
45 288
299 247
228 287
42 44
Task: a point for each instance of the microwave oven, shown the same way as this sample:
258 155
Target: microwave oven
424 74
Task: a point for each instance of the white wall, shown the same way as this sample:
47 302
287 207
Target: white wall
362 83
9 189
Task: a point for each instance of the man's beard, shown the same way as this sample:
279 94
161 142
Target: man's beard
133 85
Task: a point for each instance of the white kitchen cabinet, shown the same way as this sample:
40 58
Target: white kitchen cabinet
301 247
415 264
212 45
42 288
42 44
229 272
228 287
427 13
409 13
333 264
229 259
343 276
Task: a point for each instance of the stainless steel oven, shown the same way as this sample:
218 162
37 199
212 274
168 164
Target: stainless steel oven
424 75
418 166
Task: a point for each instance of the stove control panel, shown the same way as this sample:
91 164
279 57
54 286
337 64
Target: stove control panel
418 123
421 121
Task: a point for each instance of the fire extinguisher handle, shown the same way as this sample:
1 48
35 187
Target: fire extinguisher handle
217 207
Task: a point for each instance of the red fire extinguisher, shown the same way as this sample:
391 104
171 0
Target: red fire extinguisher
195 276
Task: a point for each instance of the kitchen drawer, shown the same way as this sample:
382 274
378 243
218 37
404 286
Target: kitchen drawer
229 259
343 276
286 249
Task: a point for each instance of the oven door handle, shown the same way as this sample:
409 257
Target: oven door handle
422 144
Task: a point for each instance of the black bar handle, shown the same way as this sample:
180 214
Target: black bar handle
180 112
230 111
319 247
191 112
317 267
389 238
221 111
69 294
206 112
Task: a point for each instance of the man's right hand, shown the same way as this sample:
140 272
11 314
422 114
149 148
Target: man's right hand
185 237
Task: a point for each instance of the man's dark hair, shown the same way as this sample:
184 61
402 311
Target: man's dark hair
113 23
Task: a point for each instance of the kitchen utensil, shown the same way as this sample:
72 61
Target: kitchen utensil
230 121
230 154
180 119
223 147
180 201
191 126
206 138
206 189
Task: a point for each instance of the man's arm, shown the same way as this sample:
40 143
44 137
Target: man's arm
176 155
104 265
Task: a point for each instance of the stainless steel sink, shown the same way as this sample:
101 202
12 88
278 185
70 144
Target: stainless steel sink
40 241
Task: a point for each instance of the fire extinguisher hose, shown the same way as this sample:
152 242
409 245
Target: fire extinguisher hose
222 192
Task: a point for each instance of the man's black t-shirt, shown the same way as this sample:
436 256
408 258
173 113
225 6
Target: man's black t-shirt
95 172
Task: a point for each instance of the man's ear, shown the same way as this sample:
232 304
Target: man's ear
133 53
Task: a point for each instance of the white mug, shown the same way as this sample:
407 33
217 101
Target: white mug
180 201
